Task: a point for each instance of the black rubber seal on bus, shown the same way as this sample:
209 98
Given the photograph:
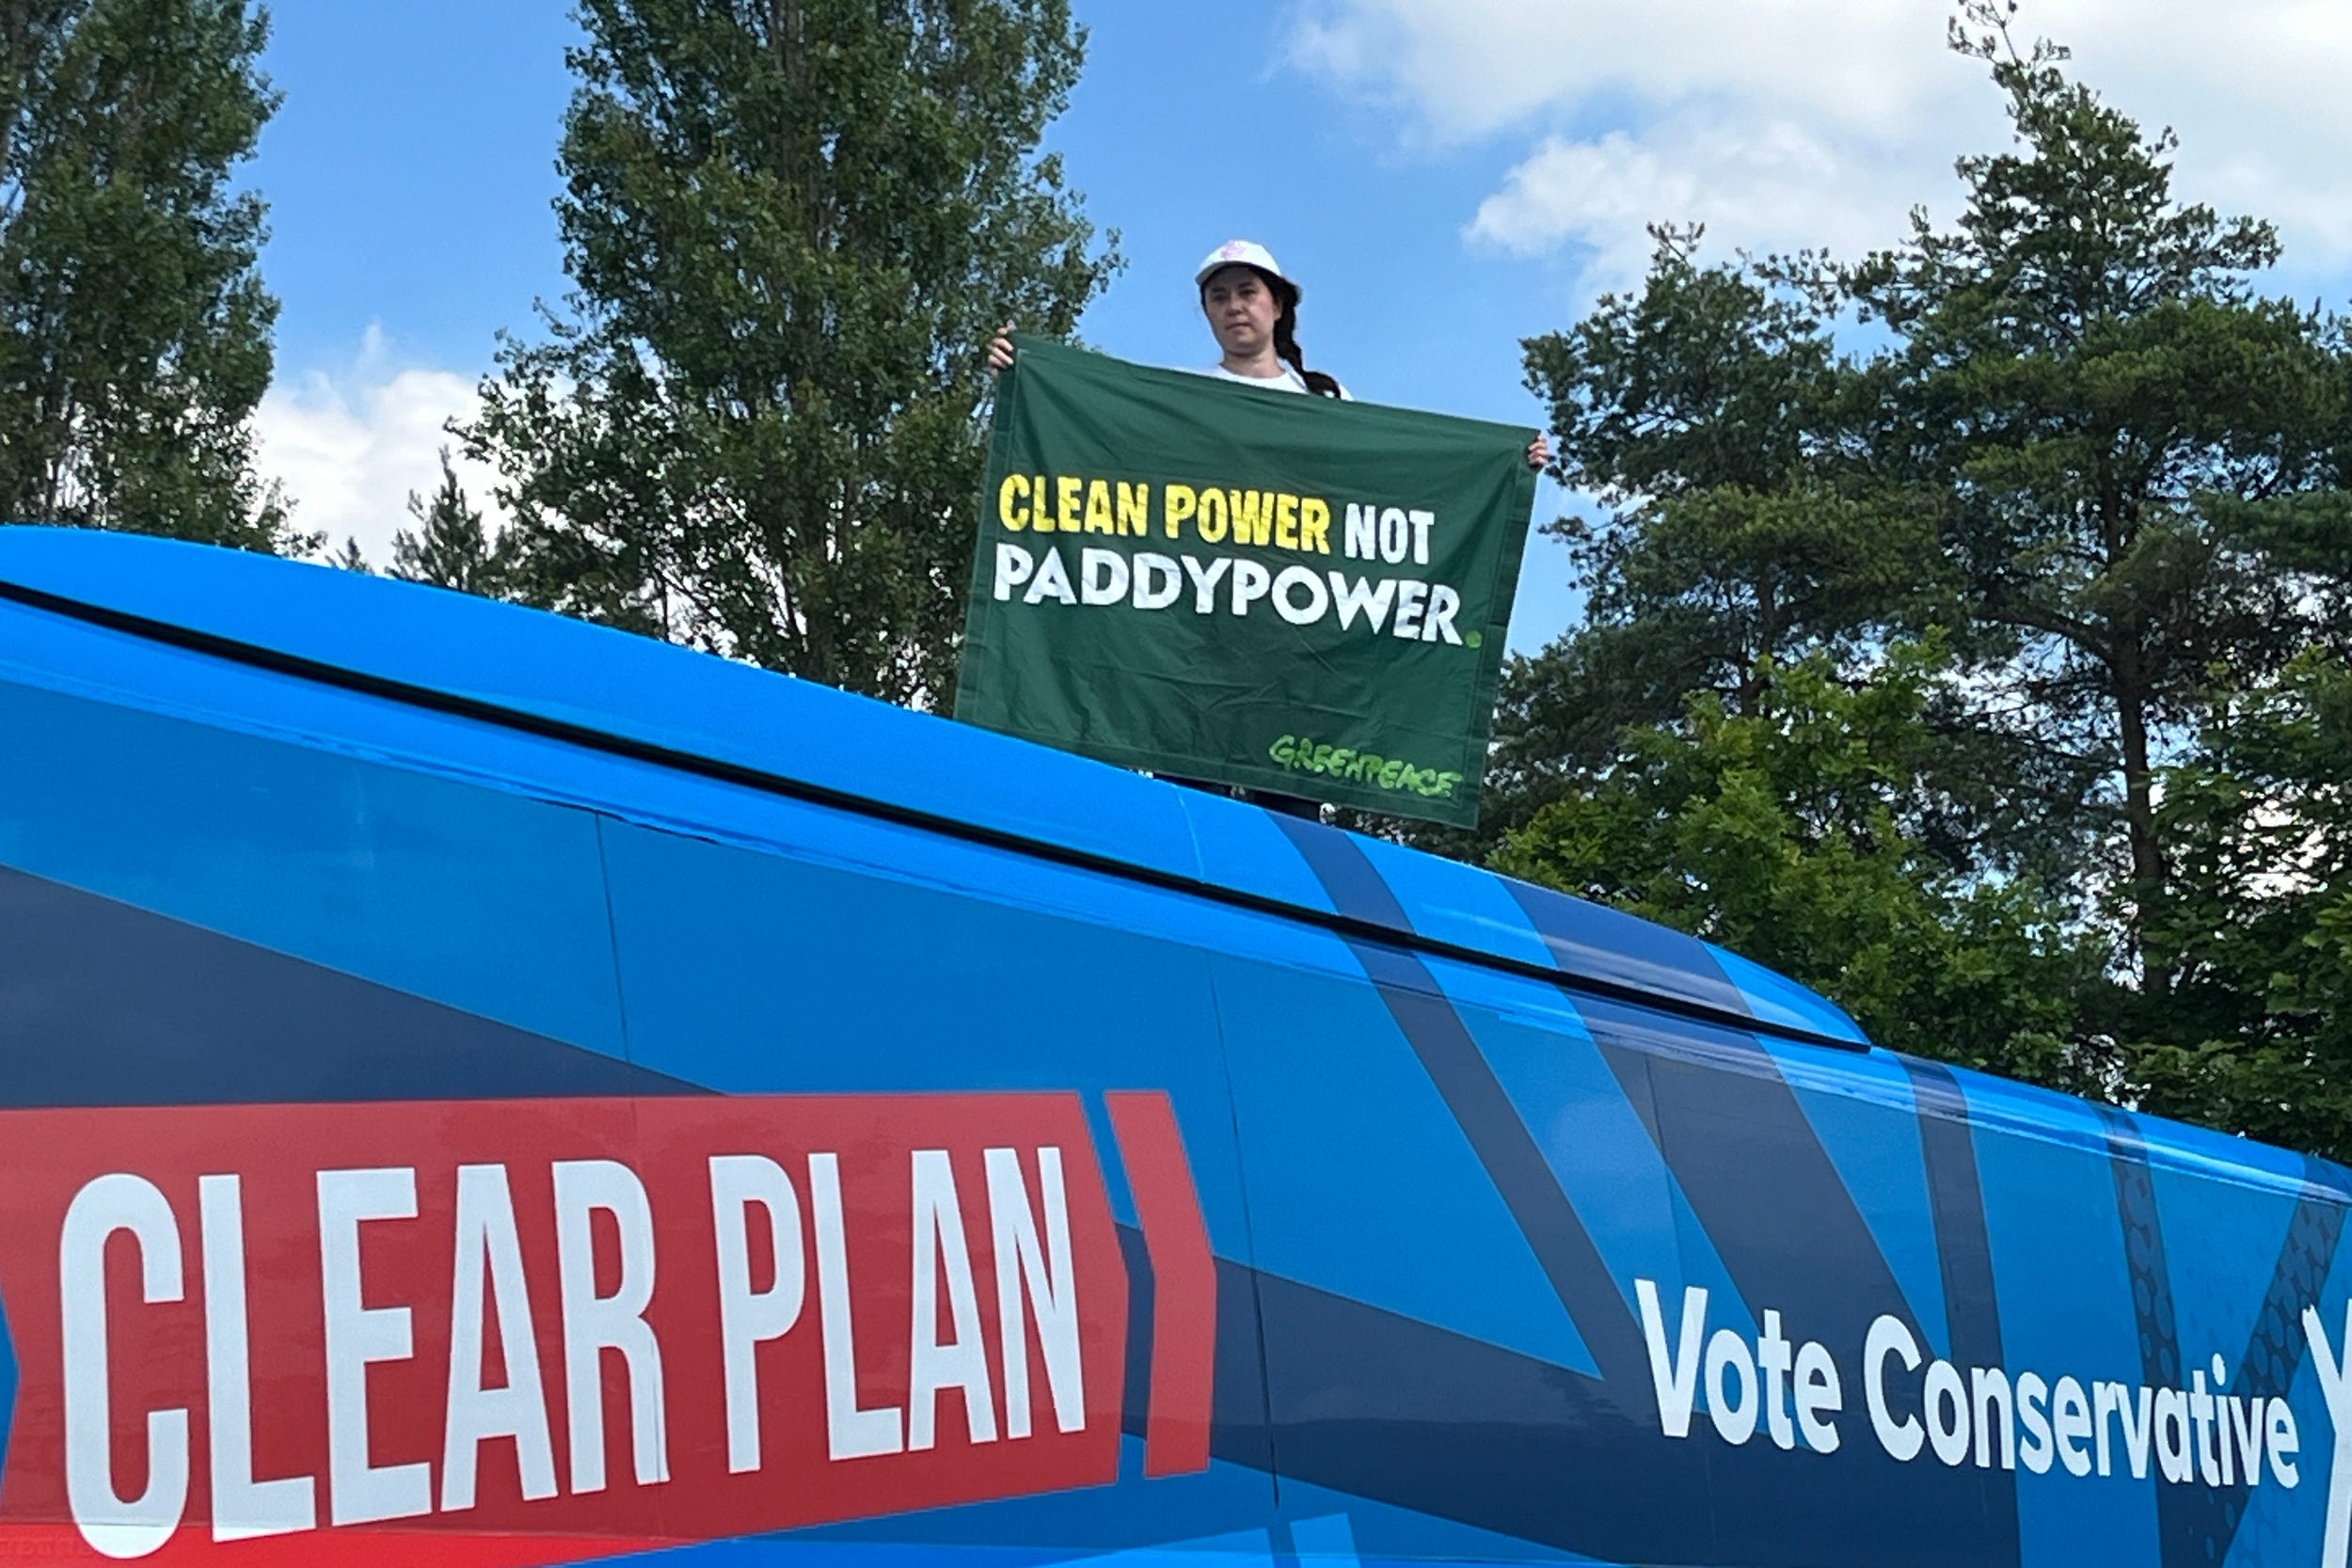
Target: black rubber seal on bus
588 737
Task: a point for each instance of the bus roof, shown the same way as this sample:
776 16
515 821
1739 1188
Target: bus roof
553 677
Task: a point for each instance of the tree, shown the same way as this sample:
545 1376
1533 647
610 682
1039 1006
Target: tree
791 225
2256 932
2068 447
451 546
2084 378
1785 832
2068 441
134 332
1713 417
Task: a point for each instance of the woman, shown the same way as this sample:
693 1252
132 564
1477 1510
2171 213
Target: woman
1252 308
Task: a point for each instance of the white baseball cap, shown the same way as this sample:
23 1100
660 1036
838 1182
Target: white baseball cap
1240 253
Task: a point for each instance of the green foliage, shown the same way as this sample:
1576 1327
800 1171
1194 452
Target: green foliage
1711 411
2257 926
2080 375
451 546
2066 440
134 332
792 224
1785 834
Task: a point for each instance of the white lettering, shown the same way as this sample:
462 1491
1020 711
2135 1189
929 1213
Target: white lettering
1888 1336
1444 604
1103 576
2036 1452
2071 1420
748 1318
2335 1388
1988 1390
1818 1395
243 1508
1047 1280
2171 1422
934 1366
2283 1444
594 1323
116 1525
487 1272
1306 614
1204 583
1158 581
1014 566
1412 598
1674 1377
850 1433
1051 581
2246 1420
1250 582
1734 1419
1361 596
1941 1389
1773 1358
358 1336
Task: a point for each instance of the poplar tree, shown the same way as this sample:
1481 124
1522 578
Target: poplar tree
791 226
135 331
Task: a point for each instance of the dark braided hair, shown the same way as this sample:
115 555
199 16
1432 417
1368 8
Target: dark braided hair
1286 338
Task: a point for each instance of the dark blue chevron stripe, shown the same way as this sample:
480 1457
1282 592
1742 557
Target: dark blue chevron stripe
110 1004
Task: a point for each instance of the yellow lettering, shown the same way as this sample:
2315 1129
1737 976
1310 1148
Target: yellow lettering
1211 524
1069 492
1253 516
1010 497
1314 525
1286 522
1182 502
1134 505
1099 507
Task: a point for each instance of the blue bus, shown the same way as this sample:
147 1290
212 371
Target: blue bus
484 1089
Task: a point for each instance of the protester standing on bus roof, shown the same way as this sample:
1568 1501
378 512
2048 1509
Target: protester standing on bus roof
1252 308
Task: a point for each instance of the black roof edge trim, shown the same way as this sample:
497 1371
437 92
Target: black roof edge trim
588 737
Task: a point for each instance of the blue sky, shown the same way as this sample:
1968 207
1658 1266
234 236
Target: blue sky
1446 177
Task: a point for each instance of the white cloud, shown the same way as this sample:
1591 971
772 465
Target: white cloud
1755 181
1790 122
350 444
1472 67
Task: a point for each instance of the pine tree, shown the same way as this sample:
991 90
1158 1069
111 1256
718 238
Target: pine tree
451 546
792 225
2085 378
134 332
2066 437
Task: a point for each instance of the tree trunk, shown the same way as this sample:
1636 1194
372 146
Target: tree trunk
2139 814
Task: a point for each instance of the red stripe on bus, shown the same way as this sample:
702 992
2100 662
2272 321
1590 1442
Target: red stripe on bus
1183 1274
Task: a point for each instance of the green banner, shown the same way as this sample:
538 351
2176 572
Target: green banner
1204 578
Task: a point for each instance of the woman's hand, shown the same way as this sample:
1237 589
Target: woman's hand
1538 450
1000 350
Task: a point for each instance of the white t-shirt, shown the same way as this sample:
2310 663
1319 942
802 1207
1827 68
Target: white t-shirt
1289 381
